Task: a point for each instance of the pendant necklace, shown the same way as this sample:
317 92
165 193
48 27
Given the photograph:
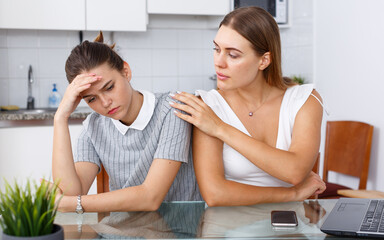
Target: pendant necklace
250 114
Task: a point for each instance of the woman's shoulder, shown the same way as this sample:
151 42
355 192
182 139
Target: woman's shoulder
211 97
299 94
303 92
300 91
162 101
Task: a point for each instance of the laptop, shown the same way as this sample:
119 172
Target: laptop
356 217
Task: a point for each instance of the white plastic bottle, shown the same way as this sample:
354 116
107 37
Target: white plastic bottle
54 98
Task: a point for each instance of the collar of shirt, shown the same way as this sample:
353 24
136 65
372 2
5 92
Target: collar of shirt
144 116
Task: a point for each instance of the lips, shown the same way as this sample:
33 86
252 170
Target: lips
221 76
113 110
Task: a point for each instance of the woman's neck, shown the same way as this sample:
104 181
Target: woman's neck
137 100
252 96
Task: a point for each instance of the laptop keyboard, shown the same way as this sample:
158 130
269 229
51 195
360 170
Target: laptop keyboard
374 218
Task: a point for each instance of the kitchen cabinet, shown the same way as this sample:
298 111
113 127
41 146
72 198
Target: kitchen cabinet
107 15
116 15
195 7
26 152
42 14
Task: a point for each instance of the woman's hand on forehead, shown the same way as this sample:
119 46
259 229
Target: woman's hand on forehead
75 92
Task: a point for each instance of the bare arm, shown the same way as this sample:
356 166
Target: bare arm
218 191
145 197
72 180
291 166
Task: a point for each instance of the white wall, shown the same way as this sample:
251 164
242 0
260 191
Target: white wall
349 50
297 41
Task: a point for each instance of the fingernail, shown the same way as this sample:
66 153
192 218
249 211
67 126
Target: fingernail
178 92
171 94
175 112
171 103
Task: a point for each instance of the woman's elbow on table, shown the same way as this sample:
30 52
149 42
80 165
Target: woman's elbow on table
152 202
297 178
141 199
212 200
213 195
296 174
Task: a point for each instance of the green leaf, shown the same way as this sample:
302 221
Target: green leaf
28 211
28 218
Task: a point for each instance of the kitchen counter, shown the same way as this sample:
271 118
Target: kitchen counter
43 118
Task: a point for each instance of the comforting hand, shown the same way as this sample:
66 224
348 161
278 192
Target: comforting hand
200 114
312 185
72 96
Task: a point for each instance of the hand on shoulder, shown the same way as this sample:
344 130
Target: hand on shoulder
198 113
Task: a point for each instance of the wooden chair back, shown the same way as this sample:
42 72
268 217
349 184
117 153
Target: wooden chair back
348 149
316 166
315 169
102 181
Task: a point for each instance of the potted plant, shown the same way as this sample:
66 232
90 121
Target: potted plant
28 213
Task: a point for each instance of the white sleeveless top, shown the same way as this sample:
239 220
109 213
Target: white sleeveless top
236 166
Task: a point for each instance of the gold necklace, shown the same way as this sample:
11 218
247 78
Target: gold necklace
250 114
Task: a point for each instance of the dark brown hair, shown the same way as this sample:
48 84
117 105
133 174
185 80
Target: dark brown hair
261 30
89 55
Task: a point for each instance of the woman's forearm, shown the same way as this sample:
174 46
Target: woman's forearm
218 191
230 193
63 168
128 199
145 197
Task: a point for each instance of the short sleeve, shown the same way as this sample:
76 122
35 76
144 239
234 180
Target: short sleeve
85 150
174 140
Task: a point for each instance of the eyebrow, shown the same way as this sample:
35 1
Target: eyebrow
232 48
104 86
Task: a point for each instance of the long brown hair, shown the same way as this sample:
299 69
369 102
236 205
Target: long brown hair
261 30
89 55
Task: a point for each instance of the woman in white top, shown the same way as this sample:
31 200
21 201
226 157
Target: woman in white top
261 140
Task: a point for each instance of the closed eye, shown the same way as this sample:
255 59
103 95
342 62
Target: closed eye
232 55
110 87
91 99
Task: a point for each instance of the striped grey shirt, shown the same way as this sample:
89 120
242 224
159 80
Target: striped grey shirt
128 156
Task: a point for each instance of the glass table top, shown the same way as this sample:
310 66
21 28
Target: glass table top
188 220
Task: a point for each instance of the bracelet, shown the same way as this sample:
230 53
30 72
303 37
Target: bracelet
79 208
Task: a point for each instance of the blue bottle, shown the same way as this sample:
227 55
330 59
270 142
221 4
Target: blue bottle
54 98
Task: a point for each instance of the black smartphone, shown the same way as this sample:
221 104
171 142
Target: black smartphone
283 219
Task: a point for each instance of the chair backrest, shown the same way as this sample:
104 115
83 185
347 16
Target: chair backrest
102 181
348 149
315 169
316 166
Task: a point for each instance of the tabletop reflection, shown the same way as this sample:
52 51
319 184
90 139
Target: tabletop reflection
197 220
